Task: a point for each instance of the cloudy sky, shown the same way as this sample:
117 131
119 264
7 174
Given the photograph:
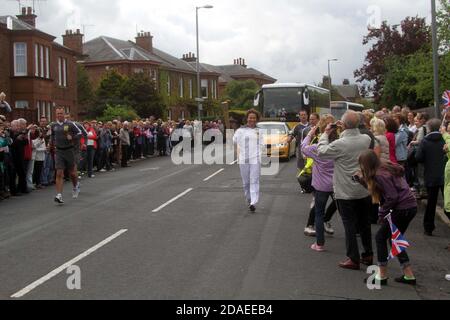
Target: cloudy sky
290 40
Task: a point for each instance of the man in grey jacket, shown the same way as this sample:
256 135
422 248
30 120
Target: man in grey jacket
124 136
353 200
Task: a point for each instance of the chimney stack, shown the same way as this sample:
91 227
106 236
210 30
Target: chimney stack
74 40
145 41
189 57
28 16
326 83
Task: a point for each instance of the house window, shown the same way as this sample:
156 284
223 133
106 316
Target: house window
21 104
153 76
49 111
36 60
138 70
168 86
62 70
191 93
214 89
204 87
41 107
20 59
181 84
183 113
65 72
47 62
169 114
41 74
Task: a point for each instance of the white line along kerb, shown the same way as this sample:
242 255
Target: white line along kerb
55 272
213 175
172 200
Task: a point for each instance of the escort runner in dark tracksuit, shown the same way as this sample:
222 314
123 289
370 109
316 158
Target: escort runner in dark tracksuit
64 136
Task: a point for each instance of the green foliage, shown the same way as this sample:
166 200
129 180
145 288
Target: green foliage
139 91
238 115
443 23
409 79
366 103
84 87
119 112
241 94
387 41
109 92
399 66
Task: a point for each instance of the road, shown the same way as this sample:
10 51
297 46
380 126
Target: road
160 231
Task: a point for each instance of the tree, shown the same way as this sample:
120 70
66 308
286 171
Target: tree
119 112
388 41
443 23
108 93
241 94
84 89
409 79
139 91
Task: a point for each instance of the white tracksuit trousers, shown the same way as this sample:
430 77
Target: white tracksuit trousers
250 174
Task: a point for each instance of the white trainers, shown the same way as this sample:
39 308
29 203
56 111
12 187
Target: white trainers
317 248
76 191
59 199
328 228
310 231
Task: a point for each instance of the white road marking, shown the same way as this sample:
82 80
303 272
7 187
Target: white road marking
213 175
234 162
173 200
55 272
149 169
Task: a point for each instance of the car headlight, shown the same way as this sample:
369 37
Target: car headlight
281 145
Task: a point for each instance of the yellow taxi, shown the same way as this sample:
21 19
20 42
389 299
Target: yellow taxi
276 140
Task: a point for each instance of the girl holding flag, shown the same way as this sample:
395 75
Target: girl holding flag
387 185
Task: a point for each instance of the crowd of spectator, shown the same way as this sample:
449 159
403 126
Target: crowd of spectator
373 168
27 155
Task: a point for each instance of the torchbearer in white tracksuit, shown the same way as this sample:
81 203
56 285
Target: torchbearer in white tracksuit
250 145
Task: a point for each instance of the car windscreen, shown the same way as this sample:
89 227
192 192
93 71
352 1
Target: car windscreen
273 128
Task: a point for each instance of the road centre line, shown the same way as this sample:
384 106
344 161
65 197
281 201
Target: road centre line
149 169
213 175
66 265
173 200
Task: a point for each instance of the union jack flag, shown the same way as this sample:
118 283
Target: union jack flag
399 243
446 98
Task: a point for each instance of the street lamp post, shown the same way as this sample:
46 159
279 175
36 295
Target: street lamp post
329 74
435 58
199 91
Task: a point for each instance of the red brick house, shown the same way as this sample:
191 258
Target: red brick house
175 78
238 71
38 74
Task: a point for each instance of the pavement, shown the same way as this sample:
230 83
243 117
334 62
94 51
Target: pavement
160 231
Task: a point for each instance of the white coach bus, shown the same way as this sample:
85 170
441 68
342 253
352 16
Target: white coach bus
284 101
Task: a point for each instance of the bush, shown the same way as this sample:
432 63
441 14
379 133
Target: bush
119 112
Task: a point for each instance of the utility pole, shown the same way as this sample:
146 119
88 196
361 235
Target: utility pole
435 58
199 98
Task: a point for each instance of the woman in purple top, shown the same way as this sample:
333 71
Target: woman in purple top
387 185
322 181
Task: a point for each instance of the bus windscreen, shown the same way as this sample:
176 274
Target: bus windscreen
282 102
